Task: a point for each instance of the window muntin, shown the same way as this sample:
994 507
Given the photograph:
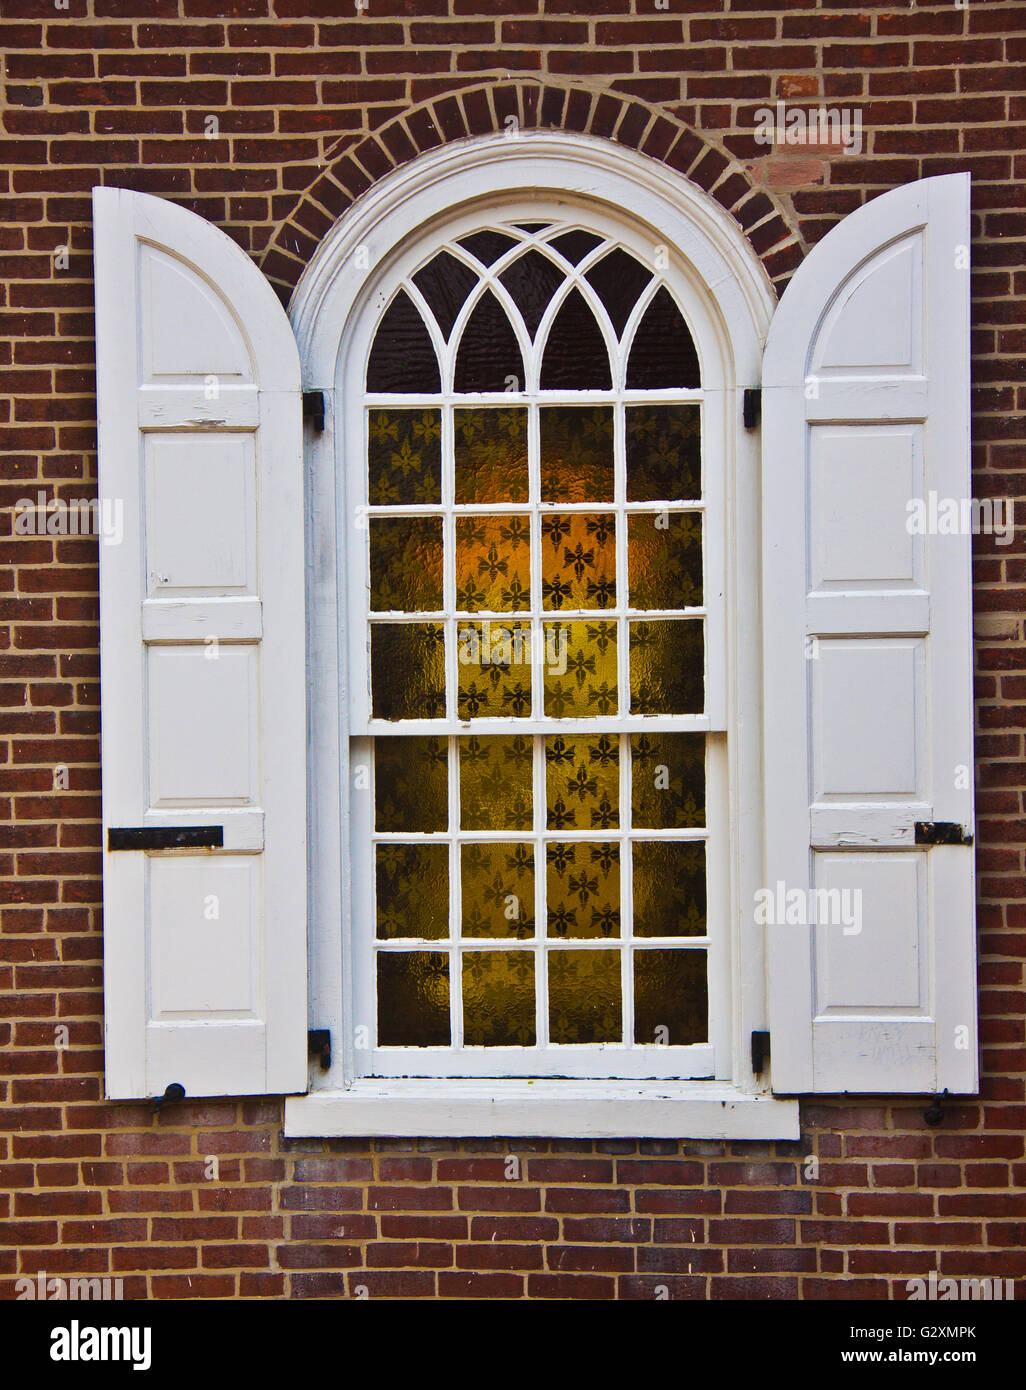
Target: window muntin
532 572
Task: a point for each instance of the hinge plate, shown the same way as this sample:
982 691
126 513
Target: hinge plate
752 407
318 1041
760 1051
313 409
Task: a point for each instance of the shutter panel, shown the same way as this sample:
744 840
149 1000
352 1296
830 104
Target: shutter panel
202 659
868 656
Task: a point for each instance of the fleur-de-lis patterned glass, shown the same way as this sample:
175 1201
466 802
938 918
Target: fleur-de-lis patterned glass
533 540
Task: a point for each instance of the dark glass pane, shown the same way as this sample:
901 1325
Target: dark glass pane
411 780
664 453
498 999
487 246
663 353
413 999
404 456
532 226
405 564
576 453
579 560
580 670
407 670
402 358
494 661
493 564
664 559
491 454
669 888
671 1003
575 354
488 358
575 245
668 781
618 279
582 782
667 667
585 997
412 890
532 280
582 884
445 283
496 782
497 890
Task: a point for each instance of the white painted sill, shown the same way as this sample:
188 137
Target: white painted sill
547 1108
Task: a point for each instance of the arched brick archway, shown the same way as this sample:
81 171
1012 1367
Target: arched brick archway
490 108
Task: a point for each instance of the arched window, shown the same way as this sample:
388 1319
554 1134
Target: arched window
537 880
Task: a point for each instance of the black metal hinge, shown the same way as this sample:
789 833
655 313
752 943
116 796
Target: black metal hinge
313 409
165 837
752 409
760 1052
318 1042
942 832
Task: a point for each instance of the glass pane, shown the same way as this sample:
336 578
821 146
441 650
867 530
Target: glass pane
576 453
575 354
585 997
411 779
487 246
496 774
494 661
404 457
402 357
663 353
669 888
583 887
413 999
493 564
664 453
445 283
532 280
405 564
667 667
407 670
579 560
668 781
491 454
582 782
412 890
580 670
498 999
488 358
671 1003
618 279
664 559
575 245
497 885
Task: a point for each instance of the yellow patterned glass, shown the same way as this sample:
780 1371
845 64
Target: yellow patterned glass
669 888
580 669
667 664
496 779
667 781
491 454
493 564
576 453
583 886
412 884
671 1000
497 886
494 661
664 453
582 782
664 559
405 564
404 456
413 999
411 784
498 999
579 560
407 670
585 997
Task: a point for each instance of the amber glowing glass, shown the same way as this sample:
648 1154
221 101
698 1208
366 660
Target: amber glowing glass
664 453
493 564
582 782
498 999
494 661
583 889
667 666
579 560
585 997
407 670
404 456
413 999
491 454
411 780
497 889
496 782
664 559
669 888
576 453
671 999
412 890
405 564
580 669
668 781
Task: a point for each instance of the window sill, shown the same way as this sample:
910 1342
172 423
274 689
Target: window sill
554 1109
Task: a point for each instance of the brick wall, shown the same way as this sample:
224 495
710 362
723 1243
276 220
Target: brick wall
313 100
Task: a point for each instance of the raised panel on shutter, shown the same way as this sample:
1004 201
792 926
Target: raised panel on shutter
202 649
867 651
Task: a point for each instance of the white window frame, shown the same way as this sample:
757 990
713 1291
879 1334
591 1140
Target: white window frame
730 308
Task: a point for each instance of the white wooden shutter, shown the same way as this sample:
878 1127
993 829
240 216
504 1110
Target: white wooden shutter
202 656
868 666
